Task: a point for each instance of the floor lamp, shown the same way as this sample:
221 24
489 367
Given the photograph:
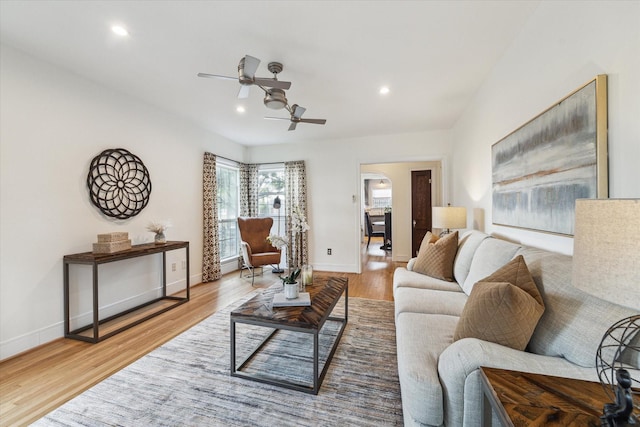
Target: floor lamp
276 205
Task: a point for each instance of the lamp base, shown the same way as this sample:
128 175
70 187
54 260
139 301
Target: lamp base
618 414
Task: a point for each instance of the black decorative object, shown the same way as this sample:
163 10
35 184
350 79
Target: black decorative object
119 183
618 366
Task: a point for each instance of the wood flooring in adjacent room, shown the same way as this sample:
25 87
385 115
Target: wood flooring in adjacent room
38 381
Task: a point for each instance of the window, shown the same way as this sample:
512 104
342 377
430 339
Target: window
381 197
228 210
270 186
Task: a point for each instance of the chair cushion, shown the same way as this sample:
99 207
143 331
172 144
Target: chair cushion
436 259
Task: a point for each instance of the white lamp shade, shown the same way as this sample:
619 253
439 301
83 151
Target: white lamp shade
606 249
449 217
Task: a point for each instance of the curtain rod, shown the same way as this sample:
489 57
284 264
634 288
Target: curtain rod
235 161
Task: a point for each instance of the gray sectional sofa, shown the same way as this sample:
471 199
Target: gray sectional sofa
440 378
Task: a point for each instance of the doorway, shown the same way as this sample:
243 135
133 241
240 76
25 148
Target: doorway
399 174
420 207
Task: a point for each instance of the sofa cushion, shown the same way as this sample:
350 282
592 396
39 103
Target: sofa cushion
503 308
466 249
420 339
491 254
403 278
429 301
574 322
436 259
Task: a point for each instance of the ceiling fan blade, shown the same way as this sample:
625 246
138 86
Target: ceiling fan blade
292 126
216 76
277 118
250 65
314 121
298 111
272 83
244 91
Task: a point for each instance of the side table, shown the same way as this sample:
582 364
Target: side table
522 398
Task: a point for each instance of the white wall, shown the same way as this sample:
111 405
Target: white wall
333 178
52 123
564 45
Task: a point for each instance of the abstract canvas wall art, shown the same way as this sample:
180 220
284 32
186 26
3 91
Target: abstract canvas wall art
541 168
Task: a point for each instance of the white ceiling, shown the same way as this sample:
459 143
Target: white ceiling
433 55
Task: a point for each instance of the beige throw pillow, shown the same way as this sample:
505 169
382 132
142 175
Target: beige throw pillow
436 259
503 308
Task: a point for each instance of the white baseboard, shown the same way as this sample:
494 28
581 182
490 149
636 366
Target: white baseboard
338 268
17 345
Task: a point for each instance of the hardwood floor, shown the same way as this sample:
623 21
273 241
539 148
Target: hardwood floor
38 381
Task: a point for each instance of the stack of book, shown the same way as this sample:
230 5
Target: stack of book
112 242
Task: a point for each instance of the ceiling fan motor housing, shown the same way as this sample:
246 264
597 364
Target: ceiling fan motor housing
275 99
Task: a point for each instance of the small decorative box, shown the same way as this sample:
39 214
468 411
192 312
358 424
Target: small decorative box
111 247
116 236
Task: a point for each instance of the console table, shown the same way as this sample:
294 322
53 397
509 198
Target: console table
522 398
163 303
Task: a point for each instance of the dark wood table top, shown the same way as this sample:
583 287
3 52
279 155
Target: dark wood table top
134 251
325 293
541 400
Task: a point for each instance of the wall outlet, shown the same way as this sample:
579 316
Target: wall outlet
184 264
329 251
173 266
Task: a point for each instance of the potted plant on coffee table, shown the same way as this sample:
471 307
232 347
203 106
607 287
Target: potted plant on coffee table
290 284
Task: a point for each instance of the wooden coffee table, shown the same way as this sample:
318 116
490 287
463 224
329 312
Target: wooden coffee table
521 398
325 294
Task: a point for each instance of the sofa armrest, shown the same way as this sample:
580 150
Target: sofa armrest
458 371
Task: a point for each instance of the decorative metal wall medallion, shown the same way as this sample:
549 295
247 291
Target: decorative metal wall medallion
119 183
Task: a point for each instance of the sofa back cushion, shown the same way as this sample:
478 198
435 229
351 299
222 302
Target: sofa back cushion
491 254
574 322
466 249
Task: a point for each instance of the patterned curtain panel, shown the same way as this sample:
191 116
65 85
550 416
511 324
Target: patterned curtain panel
211 249
244 189
248 189
295 177
253 190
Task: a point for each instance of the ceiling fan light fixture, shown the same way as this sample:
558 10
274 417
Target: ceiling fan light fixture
275 99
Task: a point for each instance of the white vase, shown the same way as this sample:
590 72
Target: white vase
291 290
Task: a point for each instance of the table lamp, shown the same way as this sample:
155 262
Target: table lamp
448 217
606 263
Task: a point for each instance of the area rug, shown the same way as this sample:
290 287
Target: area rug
186 381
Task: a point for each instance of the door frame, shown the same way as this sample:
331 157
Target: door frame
398 172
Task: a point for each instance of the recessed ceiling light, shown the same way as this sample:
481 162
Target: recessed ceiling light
120 30
240 109
384 90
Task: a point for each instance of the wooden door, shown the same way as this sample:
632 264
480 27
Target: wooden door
420 207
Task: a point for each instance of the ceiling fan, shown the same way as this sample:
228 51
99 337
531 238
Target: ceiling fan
296 113
246 76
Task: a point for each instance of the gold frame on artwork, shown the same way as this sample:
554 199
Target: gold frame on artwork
541 168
